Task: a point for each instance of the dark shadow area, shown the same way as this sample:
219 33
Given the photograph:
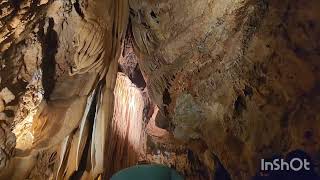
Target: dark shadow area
86 152
48 66
220 172
128 63
78 9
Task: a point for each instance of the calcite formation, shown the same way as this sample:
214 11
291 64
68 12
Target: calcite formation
76 45
214 84
126 143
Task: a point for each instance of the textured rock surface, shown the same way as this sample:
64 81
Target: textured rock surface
76 45
235 81
127 135
7 144
248 66
162 148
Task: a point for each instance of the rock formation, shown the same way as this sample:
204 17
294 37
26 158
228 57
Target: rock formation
233 75
208 87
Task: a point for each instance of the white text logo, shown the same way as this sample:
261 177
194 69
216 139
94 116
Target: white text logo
295 164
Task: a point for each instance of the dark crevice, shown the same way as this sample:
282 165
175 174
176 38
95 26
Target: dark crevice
48 66
137 78
84 159
198 169
166 97
220 172
9 113
248 91
145 25
161 121
16 4
128 64
240 105
77 7
99 56
132 13
153 15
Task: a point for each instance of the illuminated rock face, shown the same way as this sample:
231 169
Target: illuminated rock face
127 136
76 46
234 81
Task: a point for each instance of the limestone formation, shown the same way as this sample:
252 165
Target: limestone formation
7 144
239 70
208 87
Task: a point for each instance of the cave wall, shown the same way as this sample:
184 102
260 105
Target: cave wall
234 80
73 46
242 77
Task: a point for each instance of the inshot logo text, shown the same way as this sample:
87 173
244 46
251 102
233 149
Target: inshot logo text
295 164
